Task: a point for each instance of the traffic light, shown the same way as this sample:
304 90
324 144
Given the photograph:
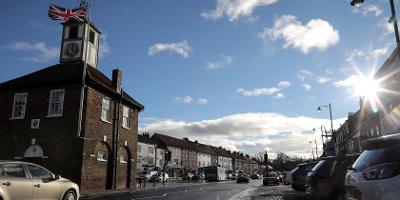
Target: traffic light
167 156
266 158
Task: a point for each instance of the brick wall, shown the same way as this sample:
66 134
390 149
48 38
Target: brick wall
94 130
56 135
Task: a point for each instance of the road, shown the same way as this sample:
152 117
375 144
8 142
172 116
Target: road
209 191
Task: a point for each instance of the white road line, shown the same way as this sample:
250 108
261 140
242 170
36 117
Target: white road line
164 195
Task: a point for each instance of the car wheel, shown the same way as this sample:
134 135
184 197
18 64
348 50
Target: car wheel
70 195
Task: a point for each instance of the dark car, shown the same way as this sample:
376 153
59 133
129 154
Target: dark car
155 178
242 178
326 179
255 176
271 178
299 175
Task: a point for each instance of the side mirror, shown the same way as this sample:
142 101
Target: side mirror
57 176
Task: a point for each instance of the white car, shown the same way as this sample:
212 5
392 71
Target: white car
23 180
375 174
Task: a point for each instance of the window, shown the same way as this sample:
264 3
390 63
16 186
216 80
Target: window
151 150
139 159
176 161
91 36
123 158
126 117
139 148
150 160
38 172
73 32
19 106
14 170
101 156
56 102
105 109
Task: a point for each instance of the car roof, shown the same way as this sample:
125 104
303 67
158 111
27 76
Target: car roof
381 142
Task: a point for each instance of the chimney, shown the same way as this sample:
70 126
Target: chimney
117 80
196 142
186 139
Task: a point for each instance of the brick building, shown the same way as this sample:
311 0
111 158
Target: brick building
71 118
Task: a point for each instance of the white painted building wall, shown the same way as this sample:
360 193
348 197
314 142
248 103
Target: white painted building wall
145 156
225 162
203 160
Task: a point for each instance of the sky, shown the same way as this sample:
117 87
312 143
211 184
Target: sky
247 75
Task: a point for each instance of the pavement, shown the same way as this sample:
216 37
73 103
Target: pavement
227 190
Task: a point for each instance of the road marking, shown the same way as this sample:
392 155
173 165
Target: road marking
137 198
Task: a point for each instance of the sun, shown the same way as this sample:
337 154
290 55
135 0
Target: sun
368 87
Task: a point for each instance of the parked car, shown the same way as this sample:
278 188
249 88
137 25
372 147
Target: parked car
228 176
23 180
146 174
155 178
271 178
299 175
234 176
255 176
242 178
326 179
280 175
158 177
376 174
187 177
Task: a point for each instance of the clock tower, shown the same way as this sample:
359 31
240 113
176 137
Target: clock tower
80 43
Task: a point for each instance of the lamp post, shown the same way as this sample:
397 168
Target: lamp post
393 19
330 113
316 147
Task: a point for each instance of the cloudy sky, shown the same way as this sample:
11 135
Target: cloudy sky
244 74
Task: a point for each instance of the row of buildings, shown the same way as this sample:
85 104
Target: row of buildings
188 156
377 115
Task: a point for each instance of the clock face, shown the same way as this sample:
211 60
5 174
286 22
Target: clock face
71 50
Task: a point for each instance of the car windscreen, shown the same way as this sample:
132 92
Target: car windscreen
323 166
375 157
271 174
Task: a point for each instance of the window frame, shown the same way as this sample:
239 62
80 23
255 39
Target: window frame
8 176
25 106
49 114
102 159
109 109
126 118
123 158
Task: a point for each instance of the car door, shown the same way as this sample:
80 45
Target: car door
45 186
14 181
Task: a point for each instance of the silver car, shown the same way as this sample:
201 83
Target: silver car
23 180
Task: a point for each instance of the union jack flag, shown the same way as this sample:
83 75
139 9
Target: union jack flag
59 13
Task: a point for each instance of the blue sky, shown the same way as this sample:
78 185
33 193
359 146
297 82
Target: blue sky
211 69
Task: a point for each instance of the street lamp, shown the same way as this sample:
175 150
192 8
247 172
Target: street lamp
393 19
316 147
319 109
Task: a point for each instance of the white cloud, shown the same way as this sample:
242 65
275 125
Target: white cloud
250 132
258 92
181 48
306 86
279 96
104 48
184 99
304 74
283 84
235 9
42 52
202 101
370 55
322 79
224 62
316 34
348 82
190 100
368 9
